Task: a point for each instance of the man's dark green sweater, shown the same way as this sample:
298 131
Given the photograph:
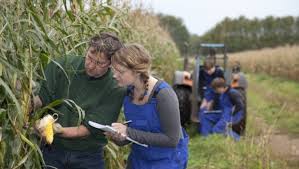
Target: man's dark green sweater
100 98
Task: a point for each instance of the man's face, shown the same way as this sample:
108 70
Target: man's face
96 64
220 90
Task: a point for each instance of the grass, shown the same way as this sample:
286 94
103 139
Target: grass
218 152
276 101
282 86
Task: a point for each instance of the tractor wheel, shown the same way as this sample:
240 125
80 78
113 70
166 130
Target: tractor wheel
183 94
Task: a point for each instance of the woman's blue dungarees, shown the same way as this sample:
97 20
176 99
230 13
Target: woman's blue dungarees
145 117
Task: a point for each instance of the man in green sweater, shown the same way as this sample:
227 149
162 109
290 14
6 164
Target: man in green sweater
88 81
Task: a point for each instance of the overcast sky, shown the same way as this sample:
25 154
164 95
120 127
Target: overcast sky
201 15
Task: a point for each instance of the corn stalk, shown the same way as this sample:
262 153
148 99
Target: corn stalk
34 32
31 34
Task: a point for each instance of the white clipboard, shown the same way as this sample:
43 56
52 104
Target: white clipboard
102 127
111 129
212 111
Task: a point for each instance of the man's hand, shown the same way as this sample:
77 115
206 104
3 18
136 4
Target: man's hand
39 128
57 128
47 128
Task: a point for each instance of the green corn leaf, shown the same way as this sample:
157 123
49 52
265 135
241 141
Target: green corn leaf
79 110
23 160
14 99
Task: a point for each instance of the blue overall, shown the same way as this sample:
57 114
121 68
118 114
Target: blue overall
219 122
145 117
205 81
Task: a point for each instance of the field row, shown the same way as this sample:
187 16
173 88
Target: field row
280 62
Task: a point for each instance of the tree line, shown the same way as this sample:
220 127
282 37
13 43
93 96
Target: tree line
238 34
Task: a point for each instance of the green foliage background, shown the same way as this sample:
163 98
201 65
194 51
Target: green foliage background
238 34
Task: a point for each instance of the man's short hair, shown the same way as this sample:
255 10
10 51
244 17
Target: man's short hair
107 43
218 83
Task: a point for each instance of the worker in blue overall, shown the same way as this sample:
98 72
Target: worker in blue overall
152 107
207 73
232 107
239 82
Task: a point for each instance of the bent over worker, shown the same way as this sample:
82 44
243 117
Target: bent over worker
232 111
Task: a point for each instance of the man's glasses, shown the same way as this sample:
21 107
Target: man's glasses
97 62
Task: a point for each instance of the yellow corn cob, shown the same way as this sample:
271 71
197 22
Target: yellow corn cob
49 133
47 124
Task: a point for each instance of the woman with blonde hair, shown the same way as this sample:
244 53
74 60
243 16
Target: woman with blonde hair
152 107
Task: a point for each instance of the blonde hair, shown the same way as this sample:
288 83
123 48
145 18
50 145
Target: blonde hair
136 58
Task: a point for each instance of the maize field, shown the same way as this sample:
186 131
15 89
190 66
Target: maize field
34 32
279 62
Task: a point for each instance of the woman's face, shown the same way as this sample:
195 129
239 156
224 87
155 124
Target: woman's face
123 75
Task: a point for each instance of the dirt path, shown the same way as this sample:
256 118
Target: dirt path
281 144
284 146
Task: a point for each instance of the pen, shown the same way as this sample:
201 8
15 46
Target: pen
126 122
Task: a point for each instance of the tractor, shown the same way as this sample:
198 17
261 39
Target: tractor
186 85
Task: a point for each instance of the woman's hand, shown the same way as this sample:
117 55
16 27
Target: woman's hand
115 136
121 133
122 129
